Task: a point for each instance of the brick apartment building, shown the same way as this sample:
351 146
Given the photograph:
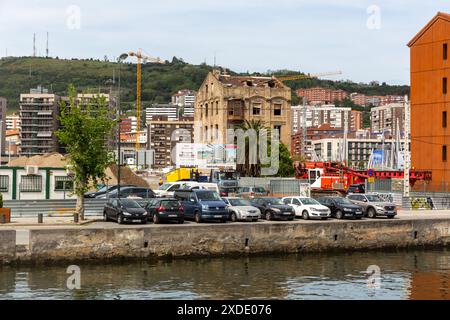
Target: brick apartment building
224 101
320 96
430 100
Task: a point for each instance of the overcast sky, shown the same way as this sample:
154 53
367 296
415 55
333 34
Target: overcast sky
365 39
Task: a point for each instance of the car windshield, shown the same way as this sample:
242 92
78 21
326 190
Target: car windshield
260 190
208 196
228 176
308 201
130 204
343 201
164 186
239 202
274 201
374 198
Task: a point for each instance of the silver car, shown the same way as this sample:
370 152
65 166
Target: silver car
373 205
242 210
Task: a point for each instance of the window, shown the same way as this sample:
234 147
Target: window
217 131
206 89
206 108
296 202
277 110
277 128
444 119
257 109
4 183
63 184
217 107
444 85
445 47
31 184
444 153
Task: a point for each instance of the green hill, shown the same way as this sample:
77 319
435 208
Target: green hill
18 75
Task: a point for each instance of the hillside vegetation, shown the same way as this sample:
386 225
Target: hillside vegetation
18 75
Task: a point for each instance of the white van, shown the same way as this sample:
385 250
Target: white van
167 190
201 185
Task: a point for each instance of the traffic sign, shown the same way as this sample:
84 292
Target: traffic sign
371 180
371 173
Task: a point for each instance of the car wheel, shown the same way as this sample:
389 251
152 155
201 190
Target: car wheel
234 217
156 219
105 217
371 213
339 214
120 219
269 216
305 215
197 217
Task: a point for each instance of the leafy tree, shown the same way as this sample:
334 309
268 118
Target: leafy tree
85 131
286 163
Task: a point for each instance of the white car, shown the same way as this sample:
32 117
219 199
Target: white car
307 208
242 210
167 190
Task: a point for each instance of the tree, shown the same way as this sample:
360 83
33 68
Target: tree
286 163
248 169
85 131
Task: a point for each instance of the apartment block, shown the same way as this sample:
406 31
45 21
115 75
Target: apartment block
39 111
13 122
356 120
320 96
184 98
430 100
388 118
128 125
317 116
164 134
173 112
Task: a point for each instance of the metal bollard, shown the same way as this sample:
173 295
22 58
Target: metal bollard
76 218
2 219
40 218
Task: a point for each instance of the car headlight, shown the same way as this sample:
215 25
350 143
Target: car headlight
126 213
145 213
379 208
276 210
205 207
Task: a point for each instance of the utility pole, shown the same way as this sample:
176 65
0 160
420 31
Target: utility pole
407 155
46 50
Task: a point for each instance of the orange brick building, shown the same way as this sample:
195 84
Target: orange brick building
430 101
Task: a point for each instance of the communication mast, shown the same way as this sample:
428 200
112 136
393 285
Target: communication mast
34 44
46 50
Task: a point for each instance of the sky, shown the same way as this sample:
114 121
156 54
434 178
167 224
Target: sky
366 40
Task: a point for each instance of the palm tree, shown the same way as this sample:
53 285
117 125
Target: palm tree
247 169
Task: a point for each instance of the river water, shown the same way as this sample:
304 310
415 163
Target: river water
421 274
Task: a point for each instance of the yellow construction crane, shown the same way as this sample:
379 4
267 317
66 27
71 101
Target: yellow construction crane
140 58
284 78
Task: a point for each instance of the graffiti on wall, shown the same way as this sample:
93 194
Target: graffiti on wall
421 203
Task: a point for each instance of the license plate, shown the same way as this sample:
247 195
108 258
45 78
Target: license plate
287 213
172 215
217 216
390 212
136 220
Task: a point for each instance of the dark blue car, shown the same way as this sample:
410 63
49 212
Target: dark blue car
202 205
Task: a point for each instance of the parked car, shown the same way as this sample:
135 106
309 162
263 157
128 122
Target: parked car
167 189
201 185
123 210
165 209
252 192
202 205
130 192
342 207
308 208
373 205
357 188
104 190
273 208
242 210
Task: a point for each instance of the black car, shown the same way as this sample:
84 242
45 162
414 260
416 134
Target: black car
160 210
122 210
105 190
273 208
357 188
125 192
342 207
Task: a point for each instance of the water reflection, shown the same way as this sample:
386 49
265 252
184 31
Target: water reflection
404 275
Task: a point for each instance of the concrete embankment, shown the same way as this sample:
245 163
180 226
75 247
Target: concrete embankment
192 240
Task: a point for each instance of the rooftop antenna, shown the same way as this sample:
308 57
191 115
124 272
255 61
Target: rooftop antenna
34 44
46 51
215 59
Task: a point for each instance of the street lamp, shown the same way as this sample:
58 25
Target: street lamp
122 57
